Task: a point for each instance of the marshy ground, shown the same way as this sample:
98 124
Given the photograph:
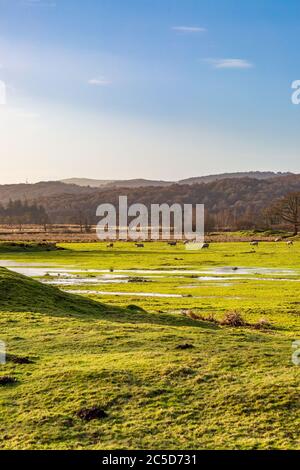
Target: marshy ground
140 356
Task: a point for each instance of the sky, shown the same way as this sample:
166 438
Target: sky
120 89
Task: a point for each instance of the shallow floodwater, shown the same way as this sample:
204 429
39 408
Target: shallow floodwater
39 269
81 281
134 294
215 277
146 294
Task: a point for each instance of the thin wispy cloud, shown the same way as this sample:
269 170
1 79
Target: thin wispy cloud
188 29
101 81
230 63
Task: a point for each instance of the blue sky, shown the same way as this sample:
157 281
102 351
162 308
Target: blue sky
145 88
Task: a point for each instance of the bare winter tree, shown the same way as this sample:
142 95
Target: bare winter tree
287 209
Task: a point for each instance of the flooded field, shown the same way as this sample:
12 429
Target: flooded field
185 284
138 330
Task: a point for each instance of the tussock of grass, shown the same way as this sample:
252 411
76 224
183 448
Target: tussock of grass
233 319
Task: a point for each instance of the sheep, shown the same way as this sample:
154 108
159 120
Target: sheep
290 243
139 245
254 243
205 245
279 239
172 243
110 245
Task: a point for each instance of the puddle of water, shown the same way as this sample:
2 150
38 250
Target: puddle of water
211 274
81 281
216 278
36 269
5 263
273 279
244 278
132 294
147 294
219 284
230 271
248 270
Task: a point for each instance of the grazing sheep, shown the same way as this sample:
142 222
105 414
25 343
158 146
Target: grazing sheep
110 245
254 243
172 243
205 245
139 245
279 239
186 242
290 243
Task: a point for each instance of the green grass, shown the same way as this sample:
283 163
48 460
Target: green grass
235 389
160 256
21 293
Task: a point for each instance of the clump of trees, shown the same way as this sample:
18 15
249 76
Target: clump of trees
21 212
286 211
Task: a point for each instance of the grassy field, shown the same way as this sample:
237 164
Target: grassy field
157 371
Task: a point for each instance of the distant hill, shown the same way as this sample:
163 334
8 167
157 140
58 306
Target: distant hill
230 201
140 183
86 182
134 183
258 175
33 192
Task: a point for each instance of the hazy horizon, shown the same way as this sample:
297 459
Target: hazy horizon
95 178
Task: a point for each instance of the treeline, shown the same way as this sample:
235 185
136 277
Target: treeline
230 204
22 212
